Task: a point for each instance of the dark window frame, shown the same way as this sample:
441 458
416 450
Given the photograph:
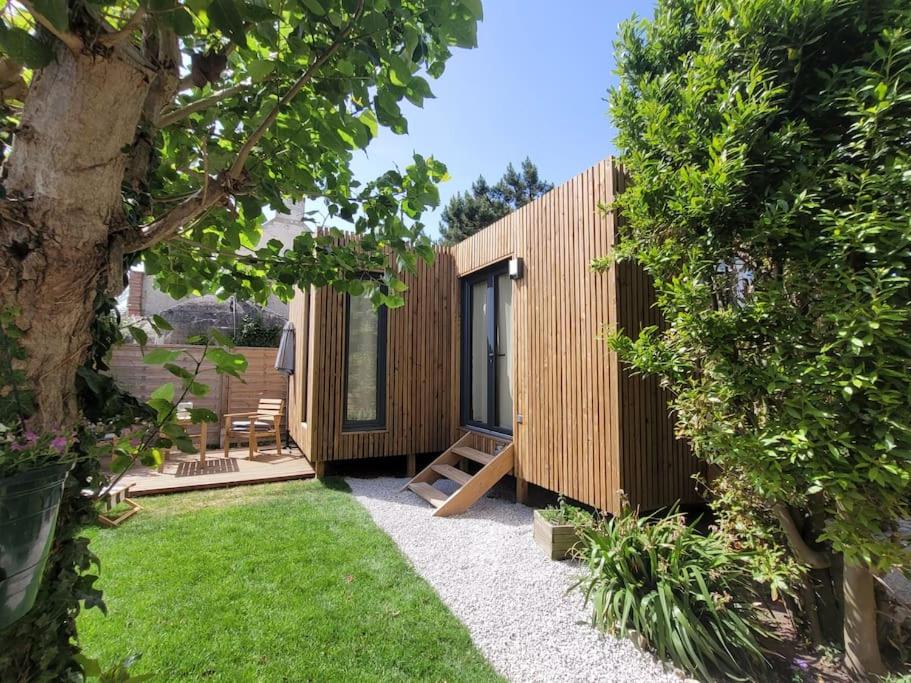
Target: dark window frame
382 346
488 275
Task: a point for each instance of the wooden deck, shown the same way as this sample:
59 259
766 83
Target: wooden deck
186 473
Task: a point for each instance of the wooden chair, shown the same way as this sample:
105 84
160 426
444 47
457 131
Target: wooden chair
264 422
185 421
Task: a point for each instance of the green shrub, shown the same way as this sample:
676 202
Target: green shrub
768 147
564 513
254 331
688 595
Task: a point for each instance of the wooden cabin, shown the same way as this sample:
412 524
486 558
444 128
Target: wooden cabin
497 364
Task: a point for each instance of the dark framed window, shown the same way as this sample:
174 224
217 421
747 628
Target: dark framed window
365 365
486 387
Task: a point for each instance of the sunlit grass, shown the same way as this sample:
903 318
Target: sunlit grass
279 582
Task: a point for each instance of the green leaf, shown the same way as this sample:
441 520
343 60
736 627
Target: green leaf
165 392
160 324
54 11
120 462
474 6
181 21
178 371
260 68
256 13
399 71
224 15
159 356
368 118
314 6
184 444
25 48
226 362
90 667
198 389
138 334
198 415
161 406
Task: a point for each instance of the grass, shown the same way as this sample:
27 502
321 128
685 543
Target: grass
277 582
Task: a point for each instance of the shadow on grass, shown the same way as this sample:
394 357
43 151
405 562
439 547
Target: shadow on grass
335 484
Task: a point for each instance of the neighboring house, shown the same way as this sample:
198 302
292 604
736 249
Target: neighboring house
497 361
195 315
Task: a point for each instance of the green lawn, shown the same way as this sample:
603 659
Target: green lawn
279 582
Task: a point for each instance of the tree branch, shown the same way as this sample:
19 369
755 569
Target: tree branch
173 116
237 167
72 41
170 224
214 192
127 50
807 555
124 33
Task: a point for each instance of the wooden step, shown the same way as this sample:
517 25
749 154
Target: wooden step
432 495
473 454
452 473
499 466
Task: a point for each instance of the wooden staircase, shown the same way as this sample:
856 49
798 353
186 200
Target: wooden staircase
494 466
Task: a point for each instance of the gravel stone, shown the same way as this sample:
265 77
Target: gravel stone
486 567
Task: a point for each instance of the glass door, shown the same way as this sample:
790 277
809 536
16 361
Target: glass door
487 381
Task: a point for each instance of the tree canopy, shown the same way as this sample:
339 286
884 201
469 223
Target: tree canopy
160 131
768 143
468 212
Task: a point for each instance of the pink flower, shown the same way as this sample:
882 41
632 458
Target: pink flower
31 438
59 444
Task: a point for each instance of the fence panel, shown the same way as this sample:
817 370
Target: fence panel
226 394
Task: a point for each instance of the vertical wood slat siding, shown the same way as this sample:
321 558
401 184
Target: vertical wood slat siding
419 414
657 468
588 427
300 384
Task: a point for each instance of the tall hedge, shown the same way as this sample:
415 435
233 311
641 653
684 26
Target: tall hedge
769 144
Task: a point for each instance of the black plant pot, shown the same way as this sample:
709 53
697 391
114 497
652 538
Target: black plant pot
29 502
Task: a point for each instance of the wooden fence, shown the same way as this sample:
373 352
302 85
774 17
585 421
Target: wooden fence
226 394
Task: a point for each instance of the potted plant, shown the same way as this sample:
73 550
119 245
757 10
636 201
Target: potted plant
556 528
33 469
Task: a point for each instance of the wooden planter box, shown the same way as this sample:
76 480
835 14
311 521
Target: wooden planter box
557 540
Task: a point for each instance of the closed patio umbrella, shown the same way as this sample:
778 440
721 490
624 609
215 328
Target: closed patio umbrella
284 359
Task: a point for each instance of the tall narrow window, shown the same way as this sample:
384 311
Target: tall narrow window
365 365
303 351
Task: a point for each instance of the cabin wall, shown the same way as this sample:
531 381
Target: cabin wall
300 386
564 375
583 426
656 468
419 414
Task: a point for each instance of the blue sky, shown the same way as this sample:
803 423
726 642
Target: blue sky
534 86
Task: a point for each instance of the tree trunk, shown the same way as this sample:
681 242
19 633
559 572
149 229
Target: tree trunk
861 644
62 205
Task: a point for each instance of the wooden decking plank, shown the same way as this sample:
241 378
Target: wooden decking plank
270 467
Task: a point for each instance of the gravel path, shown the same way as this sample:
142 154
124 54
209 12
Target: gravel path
486 567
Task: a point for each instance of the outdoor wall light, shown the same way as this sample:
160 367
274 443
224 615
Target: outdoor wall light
515 268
